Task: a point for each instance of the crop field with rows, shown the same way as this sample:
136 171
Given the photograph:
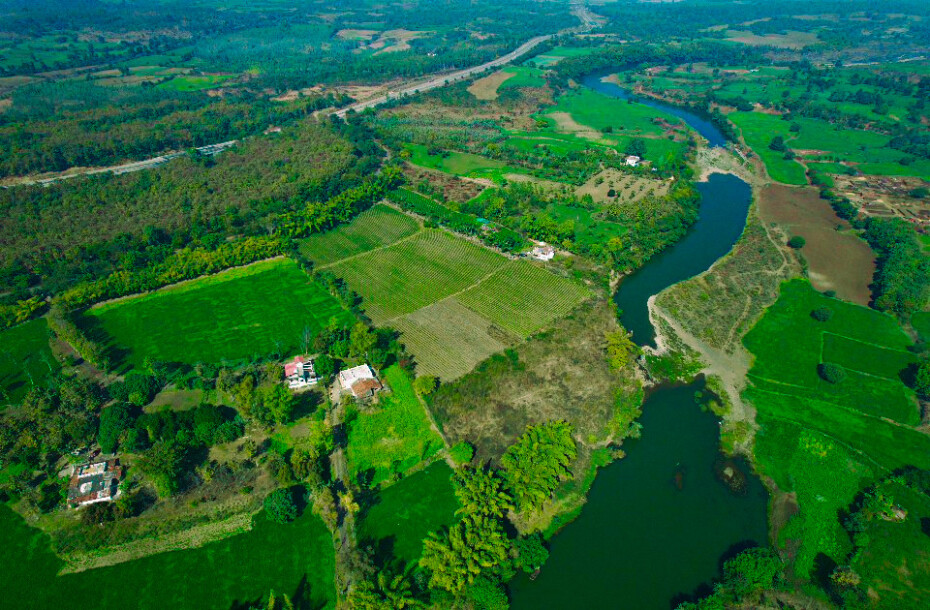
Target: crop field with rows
455 302
375 228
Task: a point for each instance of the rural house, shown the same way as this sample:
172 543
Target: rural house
94 482
632 160
299 374
543 252
359 380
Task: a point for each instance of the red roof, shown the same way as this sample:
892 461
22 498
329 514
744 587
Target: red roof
363 387
290 369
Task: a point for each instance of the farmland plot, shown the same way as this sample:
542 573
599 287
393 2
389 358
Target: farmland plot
375 228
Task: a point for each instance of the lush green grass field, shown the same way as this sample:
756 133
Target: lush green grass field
402 515
255 310
25 359
380 226
599 111
392 436
462 164
758 130
195 83
827 443
230 573
789 345
422 270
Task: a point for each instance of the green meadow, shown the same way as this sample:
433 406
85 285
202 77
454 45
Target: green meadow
462 164
196 83
241 313
296 559
599 112
392 436
400 516
25 359
523 76
826 442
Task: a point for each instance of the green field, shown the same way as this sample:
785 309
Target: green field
462 163
241 313
758 130
554 56
789 345
25 359
374 228
523 76
393 436
239 570
195 83
455 303
827 442
402 515
599 111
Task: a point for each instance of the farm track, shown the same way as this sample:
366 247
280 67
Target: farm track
589 21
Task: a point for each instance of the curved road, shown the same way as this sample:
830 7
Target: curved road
589 21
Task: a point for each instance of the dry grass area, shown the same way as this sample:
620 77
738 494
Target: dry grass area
393 41
356 34
719 306
567 124
559 374
788 40
453 187
486 88
838 259
629 188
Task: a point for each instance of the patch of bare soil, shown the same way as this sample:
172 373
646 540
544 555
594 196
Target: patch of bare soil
567 124
838 259
486 88
627 188
559 374
454 188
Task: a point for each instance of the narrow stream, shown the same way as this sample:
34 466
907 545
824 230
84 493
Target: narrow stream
659 523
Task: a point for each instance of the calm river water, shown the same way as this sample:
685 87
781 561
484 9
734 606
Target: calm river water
658 523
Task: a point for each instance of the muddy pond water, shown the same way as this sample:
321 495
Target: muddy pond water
659 523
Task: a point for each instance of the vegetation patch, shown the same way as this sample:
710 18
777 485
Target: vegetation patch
392 435
400 516
295 558
26 359
265 308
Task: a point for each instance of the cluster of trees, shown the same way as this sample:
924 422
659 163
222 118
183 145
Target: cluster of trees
184 264
57 235
318 216
902 280
470 561
19 311
61 323
747 578
500 237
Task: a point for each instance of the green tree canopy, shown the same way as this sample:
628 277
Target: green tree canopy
538 461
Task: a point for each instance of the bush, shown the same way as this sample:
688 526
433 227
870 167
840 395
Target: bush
822 314
921 192
462 453
832 373
280 506
797 242
425 385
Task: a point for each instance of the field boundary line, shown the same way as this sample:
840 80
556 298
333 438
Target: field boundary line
887 420
173 285
373 250
457 293
848 338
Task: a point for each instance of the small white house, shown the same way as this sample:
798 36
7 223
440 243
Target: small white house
359 380
543 252
299 374
632 160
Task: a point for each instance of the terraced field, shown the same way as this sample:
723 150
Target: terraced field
454 302
380 226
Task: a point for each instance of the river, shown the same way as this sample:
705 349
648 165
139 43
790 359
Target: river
659 523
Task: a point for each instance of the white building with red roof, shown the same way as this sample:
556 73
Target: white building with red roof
299 373
359 380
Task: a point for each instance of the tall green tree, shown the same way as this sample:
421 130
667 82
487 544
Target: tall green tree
535 465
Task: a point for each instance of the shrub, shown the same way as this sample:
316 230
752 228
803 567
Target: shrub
462 453
425 385
280 506
797 242
822 314
921 192
832 373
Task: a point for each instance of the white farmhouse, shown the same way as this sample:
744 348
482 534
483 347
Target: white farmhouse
359 380
299 374
632 160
